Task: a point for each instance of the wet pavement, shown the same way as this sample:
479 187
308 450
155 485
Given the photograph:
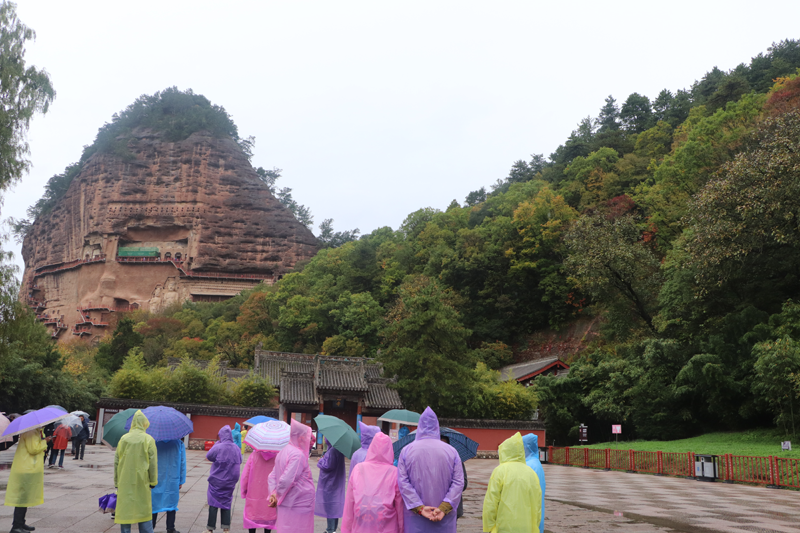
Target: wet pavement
577 500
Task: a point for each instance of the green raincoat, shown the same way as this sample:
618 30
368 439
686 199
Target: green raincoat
513 502
26 479
135 473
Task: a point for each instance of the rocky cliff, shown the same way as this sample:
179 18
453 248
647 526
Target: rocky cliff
193 221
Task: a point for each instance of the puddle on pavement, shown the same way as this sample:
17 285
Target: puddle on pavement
92 466
673 525
5 466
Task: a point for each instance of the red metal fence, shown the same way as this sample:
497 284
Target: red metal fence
771 471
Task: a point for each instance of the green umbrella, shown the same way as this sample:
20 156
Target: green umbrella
115 428
339 434
401 416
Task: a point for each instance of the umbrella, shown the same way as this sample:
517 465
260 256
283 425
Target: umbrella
339 434
166 423
84 414
465 446
271 435
257 420
57 407
72 422
401 416
29 411
4 422
114 429
33 420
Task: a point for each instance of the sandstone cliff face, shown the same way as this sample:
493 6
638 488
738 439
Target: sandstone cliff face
216 227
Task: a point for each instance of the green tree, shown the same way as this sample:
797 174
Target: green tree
253 391
111 354
636 113
333 239
777 363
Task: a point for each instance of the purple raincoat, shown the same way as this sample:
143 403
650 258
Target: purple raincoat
292 485
330 485
367 434
227 459
429 473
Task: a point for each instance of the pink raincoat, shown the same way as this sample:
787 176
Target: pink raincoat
373 503
255 491
367 434
429 473
291 483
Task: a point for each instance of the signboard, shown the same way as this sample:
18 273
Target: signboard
583 433
393 434
786 445
616 429
92 425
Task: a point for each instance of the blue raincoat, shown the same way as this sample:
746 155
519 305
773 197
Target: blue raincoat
236 433
329 502
171 475
531 443
429 473
367 434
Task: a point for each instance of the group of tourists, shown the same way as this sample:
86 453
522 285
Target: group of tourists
422 493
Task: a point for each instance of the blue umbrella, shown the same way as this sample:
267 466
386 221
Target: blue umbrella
165 423
36 419
257 420
465 446
58 407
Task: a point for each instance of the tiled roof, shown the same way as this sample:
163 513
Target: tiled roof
270 366
523 369
374 370
298 388
342 377
380 396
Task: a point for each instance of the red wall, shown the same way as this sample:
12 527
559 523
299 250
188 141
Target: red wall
490 439
207 427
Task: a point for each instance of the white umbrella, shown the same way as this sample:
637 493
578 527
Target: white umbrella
4 422
84 414
266 436
72 422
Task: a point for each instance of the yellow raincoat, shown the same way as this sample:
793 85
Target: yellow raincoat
135 472
513 502
26 479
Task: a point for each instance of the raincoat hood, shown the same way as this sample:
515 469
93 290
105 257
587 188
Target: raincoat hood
237 427
380 451
139 421
225 434
512 450
531 442
428 427
367 434
300 435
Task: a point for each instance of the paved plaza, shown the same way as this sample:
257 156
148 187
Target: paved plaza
579 500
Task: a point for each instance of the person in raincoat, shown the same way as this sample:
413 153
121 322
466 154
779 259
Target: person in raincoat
403 432
61 438
26 479
367 434
222 479
531 443
244 446
135 474
330 487
373 503
236 433
513 498
430 479
290 484
171 477
255 491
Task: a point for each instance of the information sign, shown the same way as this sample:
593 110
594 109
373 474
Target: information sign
616 429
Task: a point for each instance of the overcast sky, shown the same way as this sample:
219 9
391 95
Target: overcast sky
375 109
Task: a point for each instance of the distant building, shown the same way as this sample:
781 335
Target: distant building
526 372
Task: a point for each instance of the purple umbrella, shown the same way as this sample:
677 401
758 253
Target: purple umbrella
33 420
165 423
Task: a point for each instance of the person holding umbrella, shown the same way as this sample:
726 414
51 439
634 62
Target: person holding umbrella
26 479
61 439
226 458
367 434
171 477
135 474
81 438
290 484
330 487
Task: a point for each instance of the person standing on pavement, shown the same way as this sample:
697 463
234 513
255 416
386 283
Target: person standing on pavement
80 440
26 479
227 459
60 441
236 433
460 509
430 479
135 474
329 501
367 434
513 498
373 503
531 443
171 477
290 484
48 431
255 491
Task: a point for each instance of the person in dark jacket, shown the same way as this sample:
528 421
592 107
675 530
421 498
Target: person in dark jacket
48 431
80 440
460 510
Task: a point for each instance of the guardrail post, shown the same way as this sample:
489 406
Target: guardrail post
631 462
566 456
728 468
773 474
608 459
659 464
690 465
586 457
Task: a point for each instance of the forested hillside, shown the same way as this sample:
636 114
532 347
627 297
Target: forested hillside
674 220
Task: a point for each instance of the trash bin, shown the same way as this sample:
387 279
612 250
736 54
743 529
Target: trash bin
705 467
542 455
208 445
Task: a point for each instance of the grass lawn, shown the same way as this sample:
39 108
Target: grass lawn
757 442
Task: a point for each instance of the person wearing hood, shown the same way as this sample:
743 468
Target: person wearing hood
531 443
329 501
236 433
367 434
290 484
244 445
26 479
227 459
255 491
513 498
171 477
430 479
135 474
373 503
